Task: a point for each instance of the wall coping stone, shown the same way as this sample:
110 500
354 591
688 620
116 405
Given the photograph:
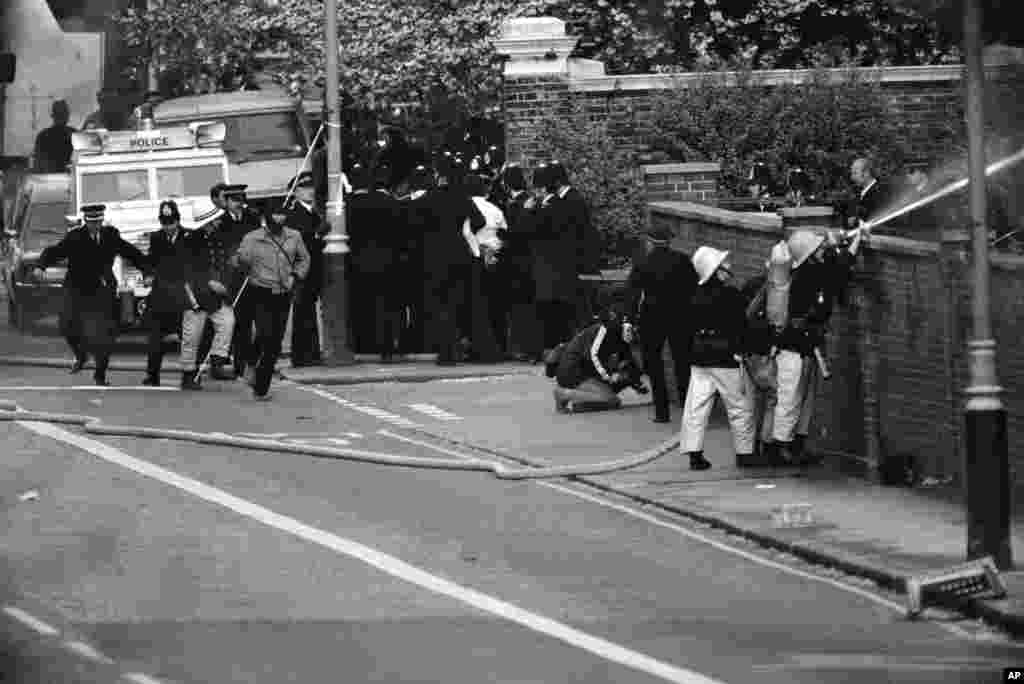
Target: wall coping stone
805 212
766 222
682 167
770 77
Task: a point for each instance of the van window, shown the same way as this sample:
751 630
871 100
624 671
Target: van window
115 186
263 135
187 181
46 225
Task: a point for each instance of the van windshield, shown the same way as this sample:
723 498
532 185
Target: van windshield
115 186
187 181
46 225
261 135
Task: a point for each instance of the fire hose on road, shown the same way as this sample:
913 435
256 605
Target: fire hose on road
11 412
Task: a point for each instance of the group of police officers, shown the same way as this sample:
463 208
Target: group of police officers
239 270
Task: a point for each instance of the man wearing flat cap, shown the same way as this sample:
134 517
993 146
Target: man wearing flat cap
661 286
88 321
303 217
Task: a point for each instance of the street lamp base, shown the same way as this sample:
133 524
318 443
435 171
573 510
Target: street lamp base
988 487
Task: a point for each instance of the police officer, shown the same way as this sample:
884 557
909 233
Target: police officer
88 320
661 285
416 214
168 255
303 217
719 320
238 221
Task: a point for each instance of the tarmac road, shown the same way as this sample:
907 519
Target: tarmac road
186 563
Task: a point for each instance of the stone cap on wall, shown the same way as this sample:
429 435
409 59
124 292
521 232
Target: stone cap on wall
682 167
754 221
537 46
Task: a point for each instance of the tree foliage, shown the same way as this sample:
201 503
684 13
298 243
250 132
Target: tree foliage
820 126
604 172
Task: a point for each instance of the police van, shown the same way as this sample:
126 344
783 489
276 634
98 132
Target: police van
267 138
132 171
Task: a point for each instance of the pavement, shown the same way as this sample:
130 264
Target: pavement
885 534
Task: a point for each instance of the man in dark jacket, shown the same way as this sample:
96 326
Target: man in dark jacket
237 221
168 254
53 144
874 195
719 321
88 320
375 231
304 218
593 367
416 217
448 259
515 265
661 285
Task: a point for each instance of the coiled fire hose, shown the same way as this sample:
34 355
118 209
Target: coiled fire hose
10 411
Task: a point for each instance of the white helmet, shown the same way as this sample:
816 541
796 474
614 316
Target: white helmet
780 263
706 261
802 244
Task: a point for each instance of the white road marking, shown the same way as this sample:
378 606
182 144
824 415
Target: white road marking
368 410
753 558
30 621
874 661
139 678
88 388
86 651
388 564
434 411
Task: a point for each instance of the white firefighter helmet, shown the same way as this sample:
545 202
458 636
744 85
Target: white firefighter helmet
706 261
780 264
802 244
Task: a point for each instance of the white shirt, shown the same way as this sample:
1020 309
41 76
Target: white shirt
494 221
868 187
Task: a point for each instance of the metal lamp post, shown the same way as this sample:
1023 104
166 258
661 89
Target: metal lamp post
987 467
335 344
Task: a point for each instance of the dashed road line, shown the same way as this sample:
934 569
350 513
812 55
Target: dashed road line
434 411
30 621
86 651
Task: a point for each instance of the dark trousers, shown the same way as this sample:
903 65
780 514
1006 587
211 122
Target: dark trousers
305 334
89 324
557 321
447 292
271 320
481 322
242 347
159 324
653 335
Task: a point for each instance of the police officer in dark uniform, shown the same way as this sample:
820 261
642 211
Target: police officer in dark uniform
661 285
234 224
88 320
303 217
169 257
416 214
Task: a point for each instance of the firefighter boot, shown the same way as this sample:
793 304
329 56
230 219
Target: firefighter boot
698 462
220 369
189 380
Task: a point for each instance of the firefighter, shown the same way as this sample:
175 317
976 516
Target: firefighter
821 271
719 322
88 321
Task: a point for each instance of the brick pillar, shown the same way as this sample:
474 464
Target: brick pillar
682 182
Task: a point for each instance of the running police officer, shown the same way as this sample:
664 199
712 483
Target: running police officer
168 298
88 321
235 223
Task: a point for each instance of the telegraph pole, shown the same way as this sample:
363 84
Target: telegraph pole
335 343
987 468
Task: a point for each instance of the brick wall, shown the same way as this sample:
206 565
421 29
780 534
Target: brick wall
688 182
896 347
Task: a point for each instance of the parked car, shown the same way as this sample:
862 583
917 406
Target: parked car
37 219
267 135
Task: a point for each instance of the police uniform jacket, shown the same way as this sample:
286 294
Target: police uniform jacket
555 249
515 265
170 262
90 264
313 229
209 257
375 227
662 284
232 232
719 325
444 246
587 355
574 215
812 294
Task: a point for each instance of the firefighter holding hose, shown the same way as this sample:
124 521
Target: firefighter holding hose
821 269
